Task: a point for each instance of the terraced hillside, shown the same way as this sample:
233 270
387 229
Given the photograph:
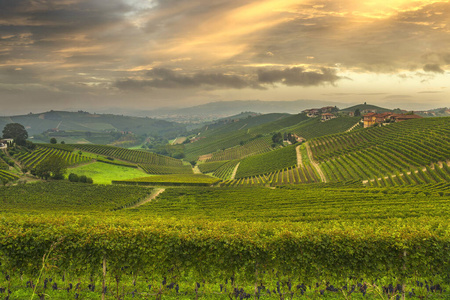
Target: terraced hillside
229 135
257 146
287 176
6 176
34 158
437 173
235 141
268 162
376 152
134 156
315 128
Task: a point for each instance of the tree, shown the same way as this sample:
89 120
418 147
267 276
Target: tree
357 113
17 132
53 141
53 166
277 138
73 177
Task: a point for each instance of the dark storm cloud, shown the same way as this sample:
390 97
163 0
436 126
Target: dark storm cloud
435 68
167 79
298 77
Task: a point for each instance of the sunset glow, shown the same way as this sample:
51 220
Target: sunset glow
75 54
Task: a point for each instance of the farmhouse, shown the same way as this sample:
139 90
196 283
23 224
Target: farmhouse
6 142
313 112
327 116
371 119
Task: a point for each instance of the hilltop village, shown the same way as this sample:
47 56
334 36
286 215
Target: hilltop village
370 117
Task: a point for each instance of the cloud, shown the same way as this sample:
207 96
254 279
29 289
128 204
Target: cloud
435 68
430 92
169 79
298 77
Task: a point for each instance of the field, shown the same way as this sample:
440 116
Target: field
268 162
176 180
377 152
103 173
362 214
315 240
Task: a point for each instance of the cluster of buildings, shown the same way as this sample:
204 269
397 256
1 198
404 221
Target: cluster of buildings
373 118
325 112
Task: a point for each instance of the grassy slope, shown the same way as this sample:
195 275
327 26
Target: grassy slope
103 173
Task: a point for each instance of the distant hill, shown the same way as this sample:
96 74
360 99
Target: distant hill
229 108
363 107
94 123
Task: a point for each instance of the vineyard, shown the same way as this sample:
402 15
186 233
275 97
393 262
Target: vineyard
268 162
175 180
304 241
134 156
254 147
161 170
4 161
375 152
315 128
225 171
59 196
32 159
210 167
435 174
291 175
244 131
6 176
377 228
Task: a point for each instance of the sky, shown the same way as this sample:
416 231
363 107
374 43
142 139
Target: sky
145 54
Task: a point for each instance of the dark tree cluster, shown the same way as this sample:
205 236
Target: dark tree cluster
52 167
17 132
82 178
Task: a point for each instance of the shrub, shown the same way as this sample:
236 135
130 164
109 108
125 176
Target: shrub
73 177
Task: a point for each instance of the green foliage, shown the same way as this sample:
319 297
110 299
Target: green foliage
163 170
277 138
32 159
103 173
268 162
70 197
210 167
176 180
375 152
292 175
15 131
314 128
6 177
257 146
53 166
134 156
53 141
73 177
225 171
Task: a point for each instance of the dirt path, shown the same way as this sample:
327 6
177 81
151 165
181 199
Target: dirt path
314 164
196 170
152 196
299 156
233 175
